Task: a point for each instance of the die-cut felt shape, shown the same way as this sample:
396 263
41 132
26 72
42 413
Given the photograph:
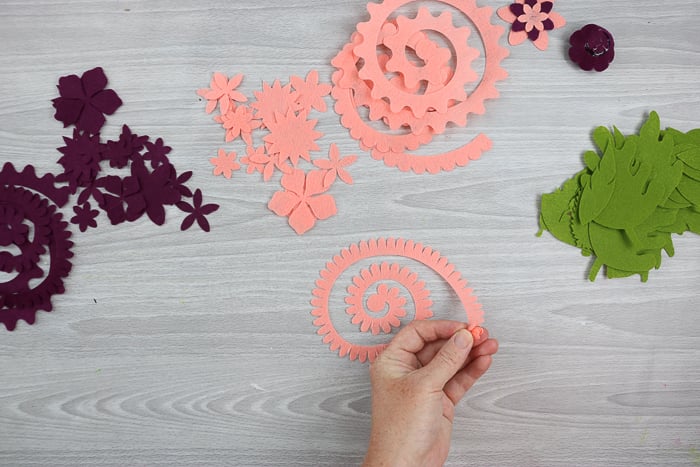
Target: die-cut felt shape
592 48
623 206
222 92
369 292
197 212
335 166
303 200
225 163
84 101
531 19
361 81
310 92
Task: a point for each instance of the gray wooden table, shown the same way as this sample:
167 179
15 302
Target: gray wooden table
175 348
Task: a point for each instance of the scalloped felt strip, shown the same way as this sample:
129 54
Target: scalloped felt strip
361 80
634 192
383 297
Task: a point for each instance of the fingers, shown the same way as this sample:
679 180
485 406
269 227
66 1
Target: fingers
414 337
449 360
432 348
465 379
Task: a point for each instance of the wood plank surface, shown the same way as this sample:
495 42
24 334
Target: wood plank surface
186 348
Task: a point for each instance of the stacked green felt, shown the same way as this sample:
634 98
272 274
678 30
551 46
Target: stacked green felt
635 192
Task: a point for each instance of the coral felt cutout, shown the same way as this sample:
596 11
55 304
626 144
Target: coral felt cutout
282 112
29 203
633 193
531 19
361 81
222 92
383 299
303 199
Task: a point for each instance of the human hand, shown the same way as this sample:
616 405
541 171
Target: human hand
416 383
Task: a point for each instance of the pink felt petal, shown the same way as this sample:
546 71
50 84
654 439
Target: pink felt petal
294 181
517 37
282 203
542 41
506 15
302 219
329 178
557 19
315 182
323 206
220 80
344 175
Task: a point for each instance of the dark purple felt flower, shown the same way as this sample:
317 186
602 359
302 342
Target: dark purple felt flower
592 48
114 199
126 149
157 153
85 216
81 159
197 212
84 101
148 192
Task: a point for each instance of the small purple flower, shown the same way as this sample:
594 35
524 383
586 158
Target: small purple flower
85 216
592 48
84 101
126 149
197 212
81 159
149 192
157 153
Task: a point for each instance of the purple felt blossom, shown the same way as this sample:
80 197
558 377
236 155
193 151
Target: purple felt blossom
81 159
85 216
149 192
114 199
157 153
197 212
125 149
84 101
592 48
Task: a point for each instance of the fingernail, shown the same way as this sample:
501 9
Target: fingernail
461 340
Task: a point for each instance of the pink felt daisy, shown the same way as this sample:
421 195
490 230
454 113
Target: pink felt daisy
258 160
531 19
335 166
222 92
237 122
273 99
225 164
292 136
310 92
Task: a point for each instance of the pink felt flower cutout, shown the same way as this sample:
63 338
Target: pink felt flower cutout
302 200
293 136
225 164
334 166
531 19
258 160
310 92
222 91
275 99
238 121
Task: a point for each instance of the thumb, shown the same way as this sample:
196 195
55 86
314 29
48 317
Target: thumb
449 360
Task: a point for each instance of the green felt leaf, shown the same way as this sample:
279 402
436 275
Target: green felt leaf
613 273
614 249
691 172
618 137
592 160
690 189
650 130
556 213
598 191
689 154
602 138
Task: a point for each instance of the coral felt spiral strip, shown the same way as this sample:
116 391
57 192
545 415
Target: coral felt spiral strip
383 247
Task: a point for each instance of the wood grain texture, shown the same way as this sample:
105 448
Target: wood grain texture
175 348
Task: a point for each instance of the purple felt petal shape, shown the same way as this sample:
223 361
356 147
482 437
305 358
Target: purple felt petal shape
197 212
592 48
517 9
546 7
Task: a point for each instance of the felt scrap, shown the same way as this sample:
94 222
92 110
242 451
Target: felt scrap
373 304
531 19
633 193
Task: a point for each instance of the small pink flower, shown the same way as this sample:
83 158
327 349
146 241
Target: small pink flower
258 160
531 19
310 92
223 92
237 122
225 164
302 200
334 166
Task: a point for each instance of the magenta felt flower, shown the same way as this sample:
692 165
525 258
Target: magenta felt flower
531 19
592 48
197 212
84 101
